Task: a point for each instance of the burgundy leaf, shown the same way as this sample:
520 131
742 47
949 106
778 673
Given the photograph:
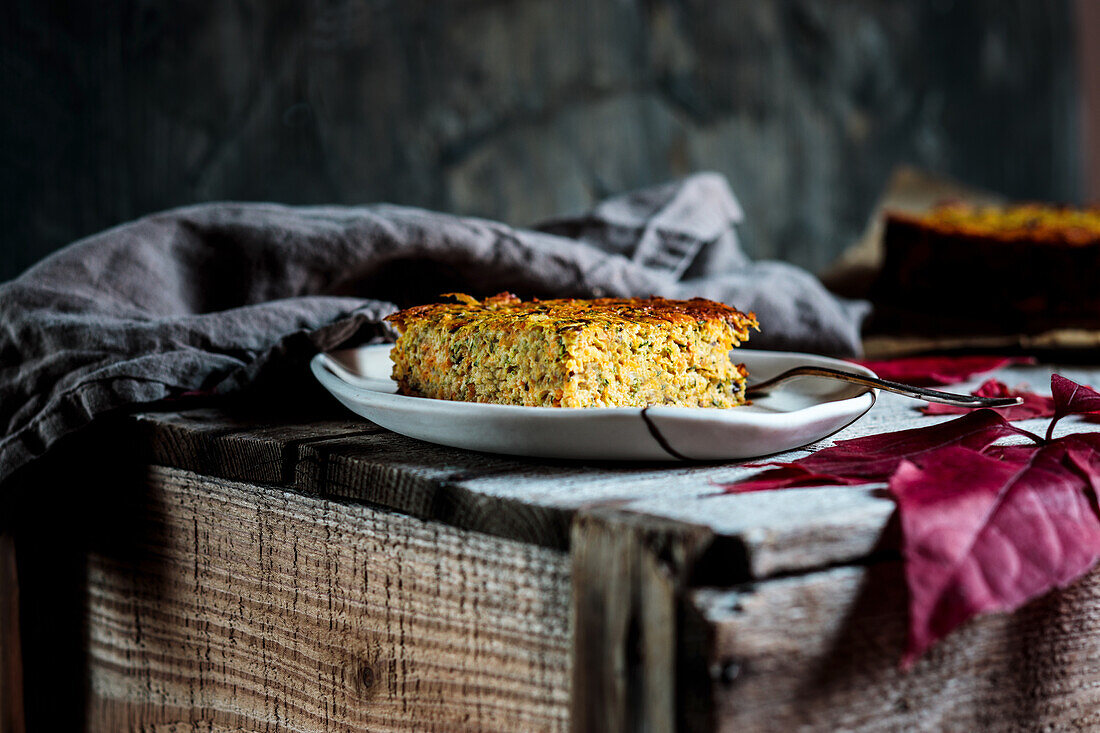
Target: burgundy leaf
1073 398
1087 463
1034 405
1081 441
1070 398
932 370
982 535
789 476
1083 450
986 527
874 458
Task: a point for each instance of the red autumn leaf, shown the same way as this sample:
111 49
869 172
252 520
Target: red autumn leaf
1081 441
874 458
1083 450
1034 405
1086 446
1070 398
986 527
1087 463
929 371
790 476
982 535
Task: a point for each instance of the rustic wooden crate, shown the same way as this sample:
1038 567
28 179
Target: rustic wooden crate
255 573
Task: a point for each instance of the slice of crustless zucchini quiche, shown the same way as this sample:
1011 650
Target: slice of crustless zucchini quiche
607 352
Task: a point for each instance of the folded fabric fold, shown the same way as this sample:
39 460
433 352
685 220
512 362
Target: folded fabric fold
221 296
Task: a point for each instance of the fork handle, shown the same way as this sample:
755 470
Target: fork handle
921 393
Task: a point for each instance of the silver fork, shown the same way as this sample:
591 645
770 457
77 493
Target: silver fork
921 393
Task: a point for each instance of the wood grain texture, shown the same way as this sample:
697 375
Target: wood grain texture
300 599
236 445
241 607
534 500
529 500
821 651
628 574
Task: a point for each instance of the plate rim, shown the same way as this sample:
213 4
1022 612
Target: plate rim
376 399
326 368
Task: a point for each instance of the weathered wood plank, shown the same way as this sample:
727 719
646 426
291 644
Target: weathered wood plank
430 482
529 500
820 652
241 607
534 500
629 572
245 446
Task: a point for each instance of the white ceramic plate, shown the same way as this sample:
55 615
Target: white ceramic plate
797 413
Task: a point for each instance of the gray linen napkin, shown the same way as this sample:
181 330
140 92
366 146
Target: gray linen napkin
217 297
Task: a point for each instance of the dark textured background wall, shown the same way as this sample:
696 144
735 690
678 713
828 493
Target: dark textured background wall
520 110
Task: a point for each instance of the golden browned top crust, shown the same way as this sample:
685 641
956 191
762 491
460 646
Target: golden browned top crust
1015 223
568 313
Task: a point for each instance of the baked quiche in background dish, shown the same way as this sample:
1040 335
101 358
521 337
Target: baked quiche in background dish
607 352
965 269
